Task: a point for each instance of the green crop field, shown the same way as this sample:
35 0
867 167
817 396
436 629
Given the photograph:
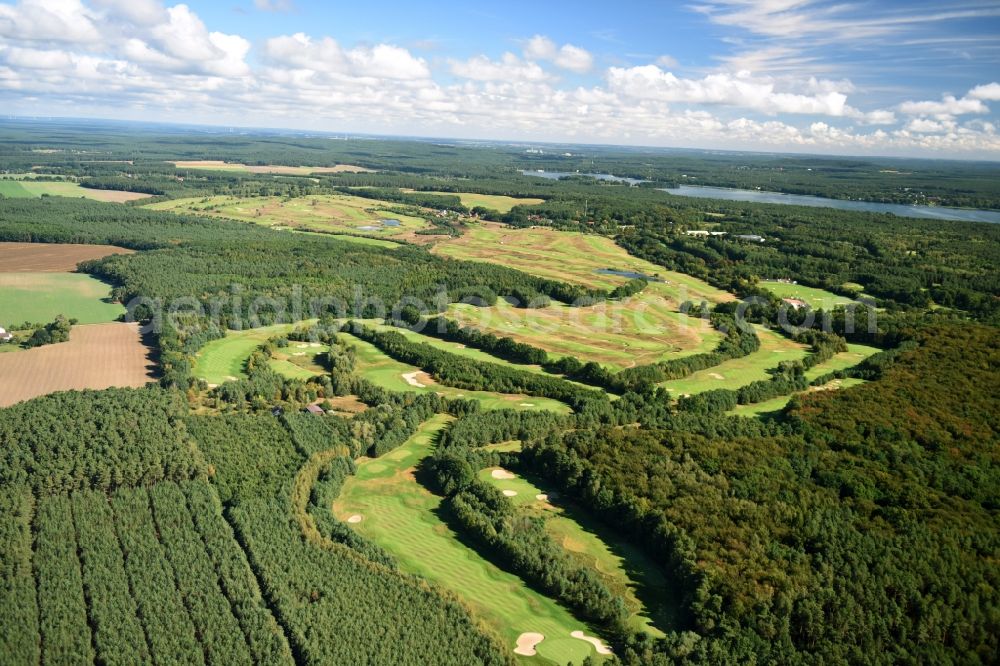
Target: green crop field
328 212
496 202
737 372
617 334
39 297
390 374
12 189
816 298
28 188
402 516
626 570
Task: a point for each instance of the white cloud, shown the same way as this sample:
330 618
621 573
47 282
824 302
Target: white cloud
566 56
666 62
741 90
274 5
948 106
508 68
50 20
988 91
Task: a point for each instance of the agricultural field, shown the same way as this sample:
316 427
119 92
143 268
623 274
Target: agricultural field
37 297
386 504
375 366
779 403
623 568
30 189
818 299
50 257
323 213
97 356
219 165
497 202
737 372
617 334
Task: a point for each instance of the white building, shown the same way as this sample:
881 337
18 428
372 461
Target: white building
4 335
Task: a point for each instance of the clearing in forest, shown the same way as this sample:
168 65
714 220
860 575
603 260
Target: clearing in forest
497 202
403 517
219 165
818 299
623 568
223 360
32 189
777 404
37 297
97 356
51 257
323 213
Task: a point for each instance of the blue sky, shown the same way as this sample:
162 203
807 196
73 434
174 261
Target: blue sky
909 78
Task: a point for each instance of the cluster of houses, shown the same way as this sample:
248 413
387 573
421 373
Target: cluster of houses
702 233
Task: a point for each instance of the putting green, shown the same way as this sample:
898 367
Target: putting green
40 297
402 516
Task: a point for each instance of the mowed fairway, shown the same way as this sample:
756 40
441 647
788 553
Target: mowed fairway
222 360
97 356
28 189
816 298
327 213
572 257
779 403
737 372
219 165
497 202
402 516
620 334
50 257
617 334
624 569
378 368
38 297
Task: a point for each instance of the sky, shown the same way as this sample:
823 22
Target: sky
810 76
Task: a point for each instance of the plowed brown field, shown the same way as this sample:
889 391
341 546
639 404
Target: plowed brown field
50 257
97 356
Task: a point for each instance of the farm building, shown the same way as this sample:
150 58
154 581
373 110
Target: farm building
753 238
4 335
315 409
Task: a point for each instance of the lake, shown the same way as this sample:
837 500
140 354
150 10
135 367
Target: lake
760 196
556 175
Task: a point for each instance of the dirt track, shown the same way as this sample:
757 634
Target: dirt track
97 356
50 257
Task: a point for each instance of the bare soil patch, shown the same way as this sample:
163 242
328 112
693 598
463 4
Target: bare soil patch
50 257
97 356
114 196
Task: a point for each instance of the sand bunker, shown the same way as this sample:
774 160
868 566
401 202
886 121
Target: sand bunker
596 642
715 375
411 379
510 493
527 404
502 474
542 497
527 642
356 518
